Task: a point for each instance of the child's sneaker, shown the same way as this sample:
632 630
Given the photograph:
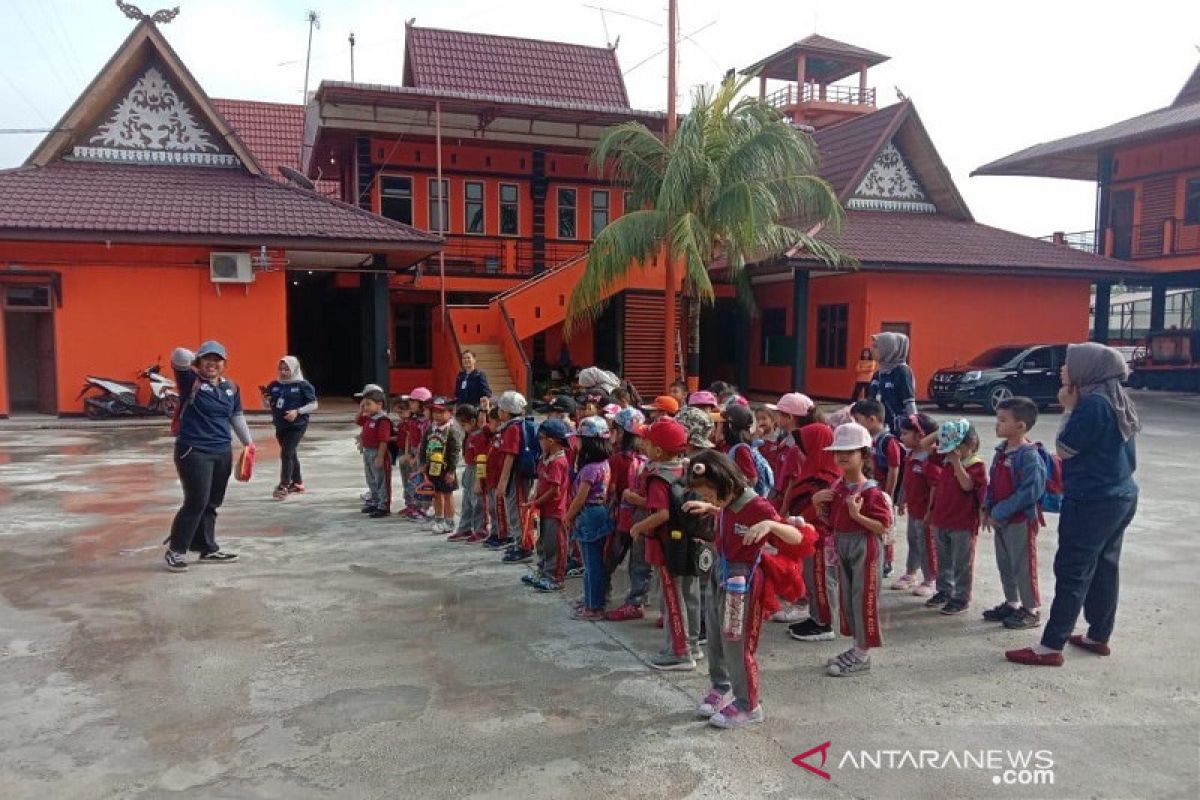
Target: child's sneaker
1021 619
176 562
379 513
925 590
625 613
811 631
438 527
517 556
954 607
669 662
545 584
734 716
887 569
905 582
367 509
790 614
714 702
938 600
365 496
848 663
296 488
495 543
999 613
590 615
280 493
477 537
574 569
459 536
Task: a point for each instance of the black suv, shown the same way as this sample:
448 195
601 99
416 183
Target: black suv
1000 373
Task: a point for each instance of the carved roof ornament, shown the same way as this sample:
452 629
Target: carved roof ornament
160 17
890 185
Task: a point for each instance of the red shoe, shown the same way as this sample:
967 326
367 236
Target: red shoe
461 536
1029 658
476 537
296 488
625 613
658 623
1099 648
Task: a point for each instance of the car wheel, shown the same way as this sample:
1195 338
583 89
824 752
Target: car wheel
997 395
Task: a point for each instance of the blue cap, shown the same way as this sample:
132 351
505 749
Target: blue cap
593 428
555 429
212 348
951 434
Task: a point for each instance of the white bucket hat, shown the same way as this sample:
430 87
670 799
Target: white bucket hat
512 402
850 436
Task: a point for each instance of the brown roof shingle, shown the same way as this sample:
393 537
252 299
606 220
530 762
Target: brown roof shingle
178 204
847 148
513 67
896 240
273 132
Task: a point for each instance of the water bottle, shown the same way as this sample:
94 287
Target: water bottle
735 608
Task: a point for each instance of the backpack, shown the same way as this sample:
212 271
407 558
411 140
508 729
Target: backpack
879 453
687 550
531 450
766 476
1052 496
177 418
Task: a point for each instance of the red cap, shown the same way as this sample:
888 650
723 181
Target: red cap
667 434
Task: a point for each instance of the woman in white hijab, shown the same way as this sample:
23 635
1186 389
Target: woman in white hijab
291 399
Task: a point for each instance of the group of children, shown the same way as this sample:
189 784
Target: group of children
739 513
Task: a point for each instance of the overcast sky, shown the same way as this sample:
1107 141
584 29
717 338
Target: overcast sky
987 78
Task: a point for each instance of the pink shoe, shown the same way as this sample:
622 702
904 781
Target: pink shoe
625 613
476 537
925 590
905 582
714 702
461 536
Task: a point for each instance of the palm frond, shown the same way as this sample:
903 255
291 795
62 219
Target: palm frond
628 242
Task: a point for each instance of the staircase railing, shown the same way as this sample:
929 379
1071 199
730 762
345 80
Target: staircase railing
543 275
523 377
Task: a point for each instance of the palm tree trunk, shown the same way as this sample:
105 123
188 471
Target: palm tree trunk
693 346
670 320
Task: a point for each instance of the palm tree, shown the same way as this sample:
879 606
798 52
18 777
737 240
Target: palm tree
725 187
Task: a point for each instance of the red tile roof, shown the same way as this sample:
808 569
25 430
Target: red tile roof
833 60
183 204
512 67
274 133
883 240
848 148
1190 93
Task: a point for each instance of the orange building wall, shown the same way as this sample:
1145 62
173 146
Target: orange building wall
124 308
952 318
1136 165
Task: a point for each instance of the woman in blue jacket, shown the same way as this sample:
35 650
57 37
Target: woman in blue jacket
291 399
1096 444
471 385
893 384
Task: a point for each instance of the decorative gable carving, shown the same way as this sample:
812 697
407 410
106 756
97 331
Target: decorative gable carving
891 186
154 124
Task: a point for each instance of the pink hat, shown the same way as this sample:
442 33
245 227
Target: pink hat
702 398
850 436
793 403
422 394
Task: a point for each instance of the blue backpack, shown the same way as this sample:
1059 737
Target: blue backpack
1052 496
766 476
531 450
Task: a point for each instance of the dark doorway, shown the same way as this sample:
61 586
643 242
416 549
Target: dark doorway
720 338
1120 219
324 332
29 354
606 336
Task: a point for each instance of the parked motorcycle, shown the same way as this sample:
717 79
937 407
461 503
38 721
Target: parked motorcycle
104 398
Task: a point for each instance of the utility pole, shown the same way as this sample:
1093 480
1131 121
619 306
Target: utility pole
314 21
352 56
670 313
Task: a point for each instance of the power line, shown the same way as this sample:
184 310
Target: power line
45 53
17 89
64 38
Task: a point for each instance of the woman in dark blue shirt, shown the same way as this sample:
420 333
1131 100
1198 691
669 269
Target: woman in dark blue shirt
893 384
291 399
211 407
1096 444
471 385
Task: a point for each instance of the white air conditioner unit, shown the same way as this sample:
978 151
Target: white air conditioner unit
230 268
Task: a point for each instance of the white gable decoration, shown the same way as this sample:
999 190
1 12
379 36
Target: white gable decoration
891 186
153 124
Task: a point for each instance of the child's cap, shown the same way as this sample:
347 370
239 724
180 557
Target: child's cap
611 410
740 417
422 394
561 403
702 398
793 403
664 403
629 419
512 402
440 403
376 395
370 387
666 434
850 436
555 429
951 434
697 424
593 428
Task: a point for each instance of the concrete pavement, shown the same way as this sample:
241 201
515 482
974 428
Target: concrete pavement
350 657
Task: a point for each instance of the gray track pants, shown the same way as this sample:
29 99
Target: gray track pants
1016 558
731 663
917 558
681 611
956 563
860 561
471 519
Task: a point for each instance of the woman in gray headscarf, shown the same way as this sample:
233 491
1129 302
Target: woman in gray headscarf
291 399
893 384
1096 445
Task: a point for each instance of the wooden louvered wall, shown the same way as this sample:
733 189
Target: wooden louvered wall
1158 205
643 348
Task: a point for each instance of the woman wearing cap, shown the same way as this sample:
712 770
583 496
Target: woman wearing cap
893 384
211 409
471 385
291 399
1096 444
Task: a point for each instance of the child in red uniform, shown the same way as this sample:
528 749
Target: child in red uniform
442 449
511 488
411 460
737 439
1016 482
472 520
859 513
818 470
920 476
740 585
770 439
625 464
888 455
492 463
954 515
551 494
664 443
377 464
587 516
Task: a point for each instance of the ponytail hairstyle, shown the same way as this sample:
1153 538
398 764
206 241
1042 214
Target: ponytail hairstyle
629 442
592 449
717 472
733 435
923 424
